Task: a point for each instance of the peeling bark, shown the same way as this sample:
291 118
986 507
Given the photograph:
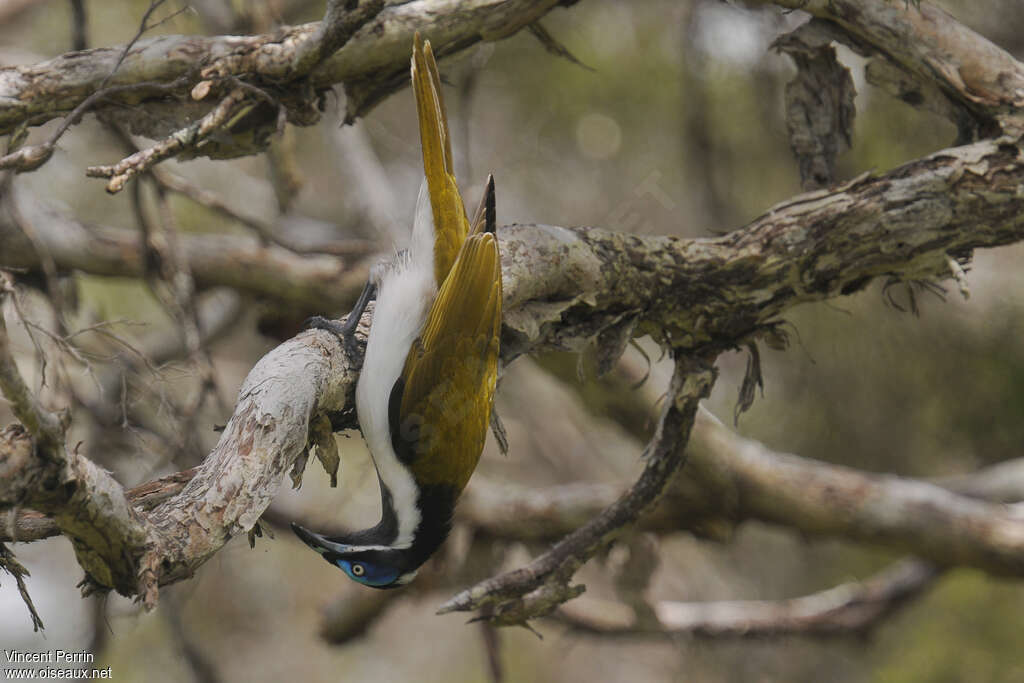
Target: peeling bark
371 65
565 288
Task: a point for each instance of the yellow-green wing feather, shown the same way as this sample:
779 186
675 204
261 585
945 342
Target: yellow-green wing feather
451 371
450 223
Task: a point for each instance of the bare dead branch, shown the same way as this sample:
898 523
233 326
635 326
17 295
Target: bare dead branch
492 648
342 19
32 157
210 200
285 170
144 26
932 48
87 504
552 45
30 525
370 64
819 103
713 293
314 282
816 498
267 432
538 588
527 513
565 289
848 609
190 137
10 564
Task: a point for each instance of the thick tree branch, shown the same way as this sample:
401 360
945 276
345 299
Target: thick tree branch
933 50
564 289
269 430
30 525
717 293
313 282
341 20
569 288
701 293
371 64
732 479
729 480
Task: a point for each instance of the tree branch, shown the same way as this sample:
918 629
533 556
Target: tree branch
87 504
730 479
314 282
933 51
536 589
342 19
45 428
299 380
565 289
848 609
191 137
570 288
371 64
733 479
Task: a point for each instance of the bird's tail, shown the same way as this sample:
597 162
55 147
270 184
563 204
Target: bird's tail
449 213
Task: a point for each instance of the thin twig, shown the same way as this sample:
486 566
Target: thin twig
492 648
144 26
11 565
538 588
43 425
193 135
45 259
552 45
32 157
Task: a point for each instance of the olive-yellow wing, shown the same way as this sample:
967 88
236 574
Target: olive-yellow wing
440 416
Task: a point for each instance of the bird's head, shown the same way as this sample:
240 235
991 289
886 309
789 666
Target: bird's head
377 566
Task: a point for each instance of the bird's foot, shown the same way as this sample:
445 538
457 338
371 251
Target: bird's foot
344 334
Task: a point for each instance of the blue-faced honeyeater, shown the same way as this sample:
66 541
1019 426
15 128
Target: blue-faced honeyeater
425 393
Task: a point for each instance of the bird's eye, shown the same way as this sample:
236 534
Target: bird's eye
358 569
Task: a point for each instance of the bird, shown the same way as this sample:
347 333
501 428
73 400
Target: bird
425 393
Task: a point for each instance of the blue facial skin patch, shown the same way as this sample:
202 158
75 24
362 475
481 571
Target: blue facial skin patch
368 574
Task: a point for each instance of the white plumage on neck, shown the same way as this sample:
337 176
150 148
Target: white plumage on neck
406 289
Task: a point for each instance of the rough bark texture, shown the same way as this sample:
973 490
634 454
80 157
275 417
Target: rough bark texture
565 288
933 48
284 392
371 65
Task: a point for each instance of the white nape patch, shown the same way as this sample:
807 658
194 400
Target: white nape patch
405 291
406 578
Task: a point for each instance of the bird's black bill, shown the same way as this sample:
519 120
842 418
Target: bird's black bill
308 537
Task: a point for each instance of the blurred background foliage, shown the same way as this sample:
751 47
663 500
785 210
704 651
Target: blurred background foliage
675 126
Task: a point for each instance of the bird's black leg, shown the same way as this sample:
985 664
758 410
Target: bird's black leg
346 331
